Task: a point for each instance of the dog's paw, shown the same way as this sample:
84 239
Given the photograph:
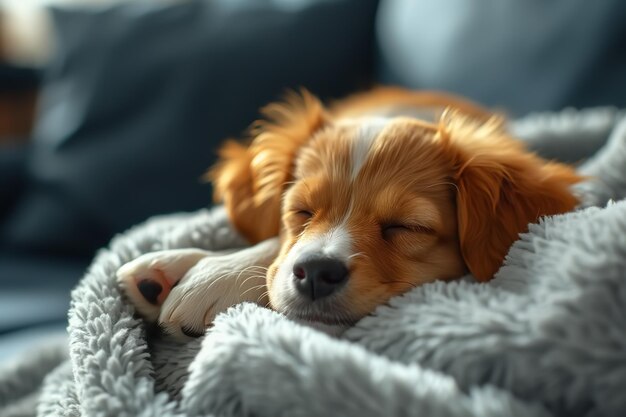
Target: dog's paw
148 280
212 286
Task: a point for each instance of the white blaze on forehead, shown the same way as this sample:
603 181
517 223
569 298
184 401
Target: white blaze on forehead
367 130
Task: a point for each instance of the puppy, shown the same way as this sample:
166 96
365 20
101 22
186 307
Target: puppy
350 205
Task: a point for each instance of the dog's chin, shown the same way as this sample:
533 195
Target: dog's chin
326 323
328 315
335 330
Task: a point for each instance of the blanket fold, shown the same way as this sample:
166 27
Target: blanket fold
546 337
250 356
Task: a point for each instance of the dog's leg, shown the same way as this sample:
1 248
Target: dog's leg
214 284
148 280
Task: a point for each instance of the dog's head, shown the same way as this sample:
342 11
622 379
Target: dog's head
370 207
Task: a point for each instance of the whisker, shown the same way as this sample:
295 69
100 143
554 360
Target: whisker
250 278
265 294
290 305
356 255
257 267
256 287
219 278
227 274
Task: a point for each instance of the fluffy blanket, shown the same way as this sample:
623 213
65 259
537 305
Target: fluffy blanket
547 337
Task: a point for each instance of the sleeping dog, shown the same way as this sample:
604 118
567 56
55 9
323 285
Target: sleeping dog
349 205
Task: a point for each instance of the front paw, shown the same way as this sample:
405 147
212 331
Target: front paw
148 280
209 288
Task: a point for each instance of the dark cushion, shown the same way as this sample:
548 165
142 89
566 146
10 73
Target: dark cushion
139 96
15 78
521 56
35 289
12 167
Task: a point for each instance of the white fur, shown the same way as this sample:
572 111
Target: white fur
171 265
368 129
211 283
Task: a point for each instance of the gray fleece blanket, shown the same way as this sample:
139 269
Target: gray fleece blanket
547 337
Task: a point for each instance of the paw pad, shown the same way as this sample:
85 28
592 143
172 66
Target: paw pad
150 290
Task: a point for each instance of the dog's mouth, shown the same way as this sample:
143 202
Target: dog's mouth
327 319
331 311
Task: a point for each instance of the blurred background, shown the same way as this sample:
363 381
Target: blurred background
111 111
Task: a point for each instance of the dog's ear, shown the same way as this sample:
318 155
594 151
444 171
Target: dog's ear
250 180
501 188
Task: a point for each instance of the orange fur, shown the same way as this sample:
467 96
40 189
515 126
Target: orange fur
501 189
466 188
389 188
250 180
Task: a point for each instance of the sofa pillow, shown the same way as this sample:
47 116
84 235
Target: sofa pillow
12 161
139 96
521 56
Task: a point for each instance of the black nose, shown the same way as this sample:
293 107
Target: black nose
319 277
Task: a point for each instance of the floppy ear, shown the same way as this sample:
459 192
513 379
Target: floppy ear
501 188
250 180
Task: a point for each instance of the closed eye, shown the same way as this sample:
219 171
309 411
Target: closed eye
306 214
389 230
297 219
301 216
